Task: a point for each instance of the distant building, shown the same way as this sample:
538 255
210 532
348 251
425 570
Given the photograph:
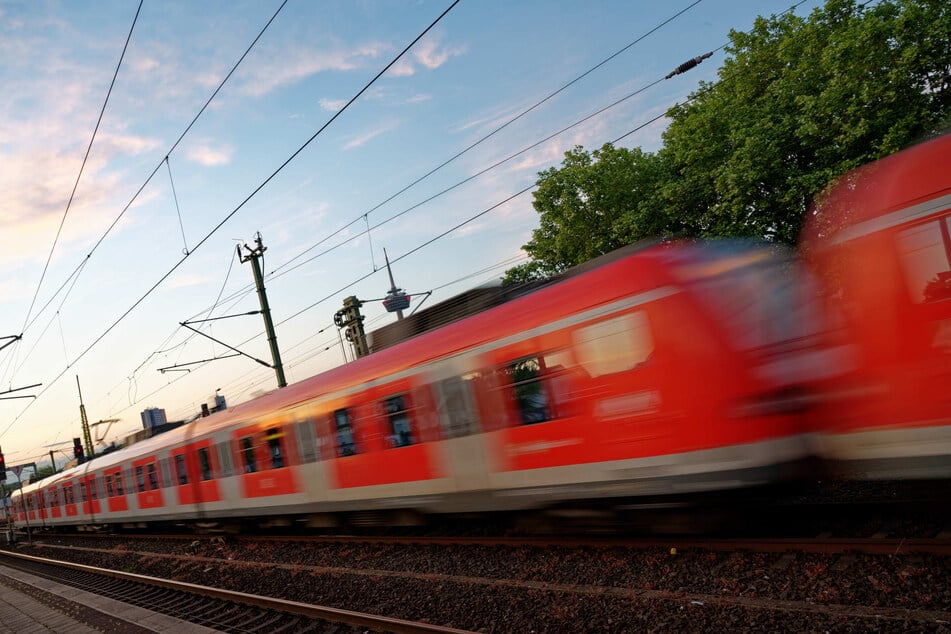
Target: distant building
153 417
217 404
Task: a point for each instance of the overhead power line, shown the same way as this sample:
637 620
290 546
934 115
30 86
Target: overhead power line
497 130
251 195
160 163
456 227
363 216
82 167
74 276
282 270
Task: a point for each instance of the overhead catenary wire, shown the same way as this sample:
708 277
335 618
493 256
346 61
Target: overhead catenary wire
498 129
158 166
82 167
320 348
518 193
278 272
231 214
178 209
74 276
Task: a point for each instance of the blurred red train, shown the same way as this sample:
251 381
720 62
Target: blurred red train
677 368
880 244
668 369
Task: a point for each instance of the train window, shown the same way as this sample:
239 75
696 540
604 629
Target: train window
308 441
274 448
93 486
110 492
456 405
614 345
82 491
926 256
140 479
119 490
345 443
153 477
181 469
204 461
398 415
531 396
247 451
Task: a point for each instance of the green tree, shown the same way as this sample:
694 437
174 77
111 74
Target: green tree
798 102
594 203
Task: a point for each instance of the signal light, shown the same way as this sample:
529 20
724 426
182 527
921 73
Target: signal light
3 468
78 450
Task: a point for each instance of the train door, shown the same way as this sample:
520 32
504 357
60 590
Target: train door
41 510
533 383
147 483
116 499
924 324
90 492
386 439
193 469
266 458
453 390
69 499
625 384
55 510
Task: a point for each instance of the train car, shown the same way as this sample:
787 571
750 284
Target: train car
678 368
879 241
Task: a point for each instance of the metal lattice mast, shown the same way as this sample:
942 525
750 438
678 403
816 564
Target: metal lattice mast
87 437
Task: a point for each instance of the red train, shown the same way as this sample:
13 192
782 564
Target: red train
674 368
880 243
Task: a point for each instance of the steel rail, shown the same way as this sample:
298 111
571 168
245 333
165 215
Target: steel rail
335 615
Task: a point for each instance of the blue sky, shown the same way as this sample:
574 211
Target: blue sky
484 63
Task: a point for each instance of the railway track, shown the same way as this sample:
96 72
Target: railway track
510 584
821 544
215 608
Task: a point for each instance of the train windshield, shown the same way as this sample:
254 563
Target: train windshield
763 295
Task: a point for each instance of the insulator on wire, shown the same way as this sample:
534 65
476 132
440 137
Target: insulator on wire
683 68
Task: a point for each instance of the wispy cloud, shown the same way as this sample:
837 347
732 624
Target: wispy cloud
33 206
430 54
366 137
419 98
283 68
493 118
332 105
114 144
205 154
402 68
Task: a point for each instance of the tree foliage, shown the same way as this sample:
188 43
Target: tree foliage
592 204
797 102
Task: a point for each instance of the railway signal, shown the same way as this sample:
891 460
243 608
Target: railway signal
78 450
